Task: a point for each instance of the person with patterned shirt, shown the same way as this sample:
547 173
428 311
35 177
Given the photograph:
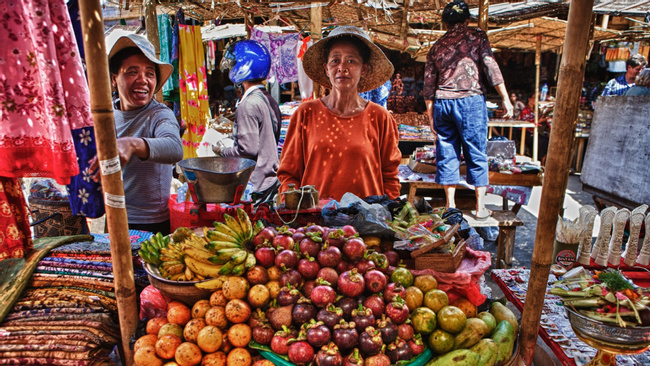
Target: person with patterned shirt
454 91
619 85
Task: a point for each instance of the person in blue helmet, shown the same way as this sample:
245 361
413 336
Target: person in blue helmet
257 118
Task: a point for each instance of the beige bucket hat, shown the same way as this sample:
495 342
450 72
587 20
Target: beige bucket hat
381 69
135 40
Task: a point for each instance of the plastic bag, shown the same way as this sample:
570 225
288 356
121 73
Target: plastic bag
153 303
367 219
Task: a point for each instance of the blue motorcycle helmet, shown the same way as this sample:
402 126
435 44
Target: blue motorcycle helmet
247 60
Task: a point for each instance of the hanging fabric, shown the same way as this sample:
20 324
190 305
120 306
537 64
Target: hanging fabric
15 235
43 91
193 85
165 33
305 83
282 47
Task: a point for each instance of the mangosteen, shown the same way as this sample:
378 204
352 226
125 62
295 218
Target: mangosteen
303 311
287 258
345 336
329 256
375 303
288 295
329 356
347 304
370 342
301 353
353 359
263 334
363 318
375 281
330 315
318 334
388 329
399 351
308 268
354 249
351 283
291 276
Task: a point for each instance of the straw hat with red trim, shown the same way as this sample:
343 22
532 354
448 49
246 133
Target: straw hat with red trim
381 69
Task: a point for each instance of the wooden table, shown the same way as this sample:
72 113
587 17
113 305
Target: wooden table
515 124
507 222
498 179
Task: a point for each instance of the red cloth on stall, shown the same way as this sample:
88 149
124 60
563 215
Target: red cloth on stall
15 235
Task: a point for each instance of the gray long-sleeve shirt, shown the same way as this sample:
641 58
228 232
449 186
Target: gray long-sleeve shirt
257 132
147 182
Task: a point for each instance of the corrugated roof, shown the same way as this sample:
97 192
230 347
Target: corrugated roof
509 12
628 8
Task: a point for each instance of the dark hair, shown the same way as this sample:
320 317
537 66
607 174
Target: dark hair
364 50
636 60
455 12
115 62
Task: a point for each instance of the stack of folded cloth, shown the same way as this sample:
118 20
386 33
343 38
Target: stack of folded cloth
67 315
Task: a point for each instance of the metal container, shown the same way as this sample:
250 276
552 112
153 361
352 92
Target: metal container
216 179
637 337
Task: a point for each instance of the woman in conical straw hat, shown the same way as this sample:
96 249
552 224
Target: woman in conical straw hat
343 143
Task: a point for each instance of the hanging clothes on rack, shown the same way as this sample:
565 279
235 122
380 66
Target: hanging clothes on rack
283 49
167 48
195 109
305 83
14 225
43 92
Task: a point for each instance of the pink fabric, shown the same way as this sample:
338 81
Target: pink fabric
43 90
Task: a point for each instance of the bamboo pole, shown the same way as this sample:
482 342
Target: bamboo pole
538 64
151 23
114 201
557 168
483 6
316 17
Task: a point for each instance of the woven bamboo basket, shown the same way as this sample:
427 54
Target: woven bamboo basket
55 218
442 262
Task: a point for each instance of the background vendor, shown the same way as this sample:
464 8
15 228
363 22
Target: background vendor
456 65
619 85
257 119
148 136
342 142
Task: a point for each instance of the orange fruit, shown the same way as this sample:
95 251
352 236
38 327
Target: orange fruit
179 314
451 319
145 340
436 299
199 308
441 342
466 306
166 346
154 325
425 283
210 339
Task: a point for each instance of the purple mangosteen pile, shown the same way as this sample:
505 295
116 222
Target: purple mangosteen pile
334 304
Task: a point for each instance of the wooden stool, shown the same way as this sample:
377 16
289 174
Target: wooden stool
507 221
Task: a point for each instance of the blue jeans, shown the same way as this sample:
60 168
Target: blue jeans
461 122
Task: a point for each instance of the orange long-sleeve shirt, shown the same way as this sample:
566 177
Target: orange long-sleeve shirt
358 154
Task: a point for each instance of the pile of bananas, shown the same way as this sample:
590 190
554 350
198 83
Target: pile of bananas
221 252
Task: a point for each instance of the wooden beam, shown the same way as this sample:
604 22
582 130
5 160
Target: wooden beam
151 23
567 105
101 105
483 6
405 19
316 16
538 64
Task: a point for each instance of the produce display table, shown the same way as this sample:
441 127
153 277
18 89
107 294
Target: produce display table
555 328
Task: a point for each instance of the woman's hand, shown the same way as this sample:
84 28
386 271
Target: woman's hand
126 148
507 107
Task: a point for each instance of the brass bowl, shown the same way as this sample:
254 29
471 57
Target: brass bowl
609 337
184 291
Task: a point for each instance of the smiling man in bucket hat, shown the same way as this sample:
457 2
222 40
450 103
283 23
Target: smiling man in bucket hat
148 137
343 143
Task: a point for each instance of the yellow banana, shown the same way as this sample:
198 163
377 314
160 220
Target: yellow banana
195 241
175 269
224 255
171 253
205 270
212 284
233 223
239 269
227 268
166 258
202 256
251 261
168 264
239 257
189 275
245 223
199 277
178 277
218 245
214 235
225 229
